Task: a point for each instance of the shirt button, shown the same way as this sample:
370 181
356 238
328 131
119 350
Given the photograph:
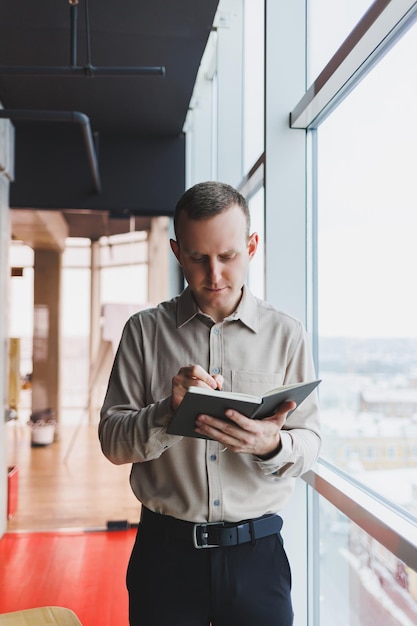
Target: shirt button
216 370
213 457
216 503
216 331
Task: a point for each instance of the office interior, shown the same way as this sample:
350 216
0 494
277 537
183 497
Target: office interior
109 112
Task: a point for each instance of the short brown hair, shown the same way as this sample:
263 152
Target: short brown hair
207 199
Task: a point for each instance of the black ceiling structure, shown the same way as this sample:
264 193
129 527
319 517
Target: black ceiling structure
98 92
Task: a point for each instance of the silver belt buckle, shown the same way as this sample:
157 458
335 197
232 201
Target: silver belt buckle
204 534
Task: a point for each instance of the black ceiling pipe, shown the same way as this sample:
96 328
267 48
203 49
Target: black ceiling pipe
87 70
73 41
73 117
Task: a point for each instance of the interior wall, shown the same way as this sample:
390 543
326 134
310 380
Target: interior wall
5 167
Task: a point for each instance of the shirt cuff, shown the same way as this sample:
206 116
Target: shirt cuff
160 440
273 464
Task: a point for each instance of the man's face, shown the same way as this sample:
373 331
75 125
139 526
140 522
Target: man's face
214 254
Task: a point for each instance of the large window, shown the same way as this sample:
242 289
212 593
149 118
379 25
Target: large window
367 257
363 158
124 270
123 265
361 582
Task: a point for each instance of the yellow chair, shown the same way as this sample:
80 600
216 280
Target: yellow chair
44 616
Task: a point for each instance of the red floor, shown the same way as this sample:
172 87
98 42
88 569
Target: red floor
83 571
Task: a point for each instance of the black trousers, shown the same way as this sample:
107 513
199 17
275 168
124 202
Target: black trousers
171 583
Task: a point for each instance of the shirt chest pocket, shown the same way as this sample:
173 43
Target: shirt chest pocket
255 383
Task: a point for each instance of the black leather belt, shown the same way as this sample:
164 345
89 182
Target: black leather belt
211 534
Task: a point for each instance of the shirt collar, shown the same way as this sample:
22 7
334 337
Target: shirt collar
187 308
246 312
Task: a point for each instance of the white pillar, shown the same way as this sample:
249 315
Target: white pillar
6 175
285 157
286 225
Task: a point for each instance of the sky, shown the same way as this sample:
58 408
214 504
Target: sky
367 199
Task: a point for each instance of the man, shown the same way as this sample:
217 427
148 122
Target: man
216 334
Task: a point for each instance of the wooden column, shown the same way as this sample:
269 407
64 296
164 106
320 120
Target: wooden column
46 331
95 399
158 265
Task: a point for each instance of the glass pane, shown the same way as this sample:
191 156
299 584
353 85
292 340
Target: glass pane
125 285
253 100
77 252
21 304
329 23
75 302
367 259
20 255
75 339
361 582
131 248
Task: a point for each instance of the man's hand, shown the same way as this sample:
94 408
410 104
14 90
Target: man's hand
259 437
189 376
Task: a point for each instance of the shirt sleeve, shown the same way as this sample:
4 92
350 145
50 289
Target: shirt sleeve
132 427
300 436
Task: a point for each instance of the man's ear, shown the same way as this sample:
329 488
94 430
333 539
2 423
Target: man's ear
253 244
175 249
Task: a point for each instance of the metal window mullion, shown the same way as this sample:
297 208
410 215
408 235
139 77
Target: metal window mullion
396 532
380 27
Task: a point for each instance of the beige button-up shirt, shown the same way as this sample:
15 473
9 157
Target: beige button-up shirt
255 349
